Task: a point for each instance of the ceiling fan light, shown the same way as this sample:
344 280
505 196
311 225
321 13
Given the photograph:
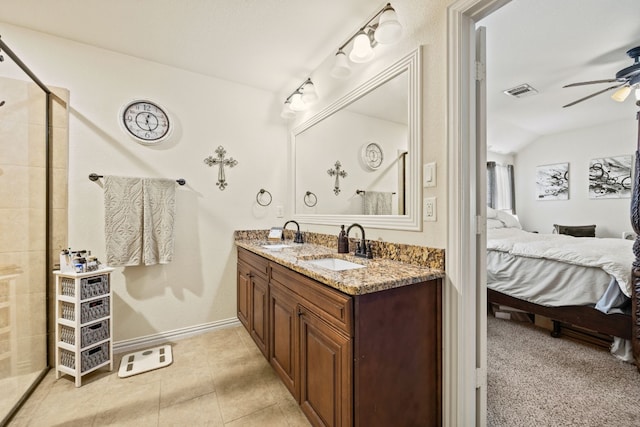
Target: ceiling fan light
309 93
389 28
362 50
341 68
621 94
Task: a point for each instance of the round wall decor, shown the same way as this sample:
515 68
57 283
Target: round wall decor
372 155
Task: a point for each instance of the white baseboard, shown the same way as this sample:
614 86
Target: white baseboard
175 335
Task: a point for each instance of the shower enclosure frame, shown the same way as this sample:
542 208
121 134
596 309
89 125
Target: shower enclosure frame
48 261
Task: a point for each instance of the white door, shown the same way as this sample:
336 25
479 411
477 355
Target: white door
481 227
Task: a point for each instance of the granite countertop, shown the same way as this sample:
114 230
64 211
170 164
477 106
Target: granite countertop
379 273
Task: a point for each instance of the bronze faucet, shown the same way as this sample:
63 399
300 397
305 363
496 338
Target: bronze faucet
298 238
362 249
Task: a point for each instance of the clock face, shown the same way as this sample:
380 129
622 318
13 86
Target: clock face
146 121
372 155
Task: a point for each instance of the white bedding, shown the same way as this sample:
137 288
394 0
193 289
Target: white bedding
613 256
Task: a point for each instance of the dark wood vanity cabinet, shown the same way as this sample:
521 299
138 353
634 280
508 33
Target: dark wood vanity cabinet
311 345
253 290
363 360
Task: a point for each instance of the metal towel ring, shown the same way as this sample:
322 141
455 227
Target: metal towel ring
308 199
261 193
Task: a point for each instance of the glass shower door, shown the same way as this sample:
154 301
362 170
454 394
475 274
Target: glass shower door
23 238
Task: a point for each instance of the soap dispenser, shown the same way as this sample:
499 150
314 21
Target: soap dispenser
343 241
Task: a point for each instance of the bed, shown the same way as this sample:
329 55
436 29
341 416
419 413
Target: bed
582 281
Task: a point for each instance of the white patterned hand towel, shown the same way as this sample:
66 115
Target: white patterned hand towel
159 213
376 203
123 212
139 217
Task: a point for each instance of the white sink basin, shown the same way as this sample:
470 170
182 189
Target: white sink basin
335 264
276 247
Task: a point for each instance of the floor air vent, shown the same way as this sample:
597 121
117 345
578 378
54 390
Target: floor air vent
521 91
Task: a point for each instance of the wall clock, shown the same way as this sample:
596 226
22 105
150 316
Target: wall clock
372 155
145 121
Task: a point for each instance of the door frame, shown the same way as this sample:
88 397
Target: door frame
462 346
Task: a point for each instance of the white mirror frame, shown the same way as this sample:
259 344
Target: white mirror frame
412 220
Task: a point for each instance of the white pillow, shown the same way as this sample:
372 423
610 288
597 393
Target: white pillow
491 213
494 223
509 220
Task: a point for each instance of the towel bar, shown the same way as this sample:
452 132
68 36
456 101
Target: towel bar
95 177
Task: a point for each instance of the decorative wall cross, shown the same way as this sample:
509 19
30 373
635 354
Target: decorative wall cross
337 173
222 162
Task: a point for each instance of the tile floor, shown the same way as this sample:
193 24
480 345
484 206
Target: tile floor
216 379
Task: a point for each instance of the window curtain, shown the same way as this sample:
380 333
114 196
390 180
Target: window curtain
500 187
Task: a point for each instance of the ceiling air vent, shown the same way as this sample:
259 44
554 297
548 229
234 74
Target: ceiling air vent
521 91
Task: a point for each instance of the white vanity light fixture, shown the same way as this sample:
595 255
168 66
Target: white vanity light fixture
287 112
362 50
389 28
299 99
309 93
341 68
386 30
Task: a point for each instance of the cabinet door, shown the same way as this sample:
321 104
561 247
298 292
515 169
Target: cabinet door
283 343
325 372
259 309
244 291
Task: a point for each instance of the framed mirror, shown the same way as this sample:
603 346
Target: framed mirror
359 159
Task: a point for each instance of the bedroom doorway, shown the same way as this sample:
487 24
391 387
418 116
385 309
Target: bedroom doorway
464 382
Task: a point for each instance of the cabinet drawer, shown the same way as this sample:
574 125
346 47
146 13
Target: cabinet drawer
256 262
332 306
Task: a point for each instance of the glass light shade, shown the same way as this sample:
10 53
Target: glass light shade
389 28
621 94
297 104
362 50
341 68
287 112
309 94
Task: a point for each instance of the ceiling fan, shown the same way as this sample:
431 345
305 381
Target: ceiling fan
625 80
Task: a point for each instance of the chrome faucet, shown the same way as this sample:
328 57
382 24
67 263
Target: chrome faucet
362 249
298 238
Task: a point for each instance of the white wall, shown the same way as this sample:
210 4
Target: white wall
199 286
320 146
577 148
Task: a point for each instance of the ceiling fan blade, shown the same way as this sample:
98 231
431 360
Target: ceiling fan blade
591 82
594 94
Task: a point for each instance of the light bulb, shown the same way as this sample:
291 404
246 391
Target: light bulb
621 94
389 28
287 112
309 94
637 93
341 68
362 50
297 104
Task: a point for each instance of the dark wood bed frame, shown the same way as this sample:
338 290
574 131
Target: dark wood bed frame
617 325
635 271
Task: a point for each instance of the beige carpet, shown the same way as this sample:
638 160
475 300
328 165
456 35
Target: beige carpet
536 380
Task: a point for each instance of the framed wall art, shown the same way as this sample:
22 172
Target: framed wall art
552 182
610 178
